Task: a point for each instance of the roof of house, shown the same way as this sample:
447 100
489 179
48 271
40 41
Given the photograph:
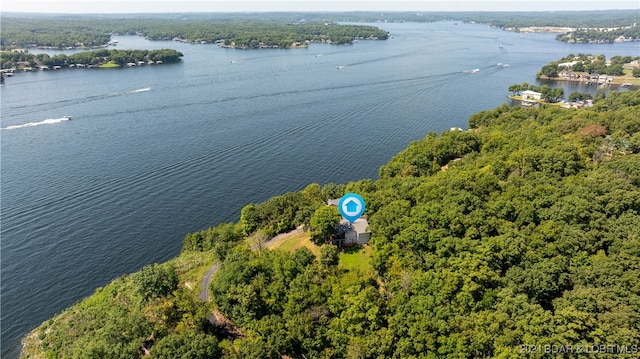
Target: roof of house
529 92
359 226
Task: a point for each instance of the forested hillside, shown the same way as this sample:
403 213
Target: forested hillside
72 32
519 235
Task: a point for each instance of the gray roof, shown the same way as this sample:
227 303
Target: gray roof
359 226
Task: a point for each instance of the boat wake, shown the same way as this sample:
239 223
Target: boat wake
61 103
49 121
140 90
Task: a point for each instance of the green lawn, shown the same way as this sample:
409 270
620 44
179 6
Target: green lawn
628 77
356 258
109 65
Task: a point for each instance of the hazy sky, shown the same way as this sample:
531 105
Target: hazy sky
154 6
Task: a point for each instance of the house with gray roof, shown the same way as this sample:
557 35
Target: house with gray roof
350 234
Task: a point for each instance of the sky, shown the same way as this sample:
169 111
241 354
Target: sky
162 6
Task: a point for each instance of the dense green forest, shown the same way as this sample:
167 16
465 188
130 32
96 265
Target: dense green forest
112 57
510 239
87 32
253 30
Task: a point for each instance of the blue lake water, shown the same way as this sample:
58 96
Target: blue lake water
154 152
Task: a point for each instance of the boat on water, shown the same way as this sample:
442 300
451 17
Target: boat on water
66 117
625 84
475 70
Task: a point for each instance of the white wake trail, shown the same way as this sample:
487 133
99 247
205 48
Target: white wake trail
49 121
140 90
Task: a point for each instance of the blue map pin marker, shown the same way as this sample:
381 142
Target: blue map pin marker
351 206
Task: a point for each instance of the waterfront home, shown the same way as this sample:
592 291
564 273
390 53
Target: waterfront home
350 234
529 95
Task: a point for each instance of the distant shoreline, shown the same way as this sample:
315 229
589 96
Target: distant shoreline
621 81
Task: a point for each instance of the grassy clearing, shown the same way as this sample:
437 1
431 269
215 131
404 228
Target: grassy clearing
109 65
628 76
519 98
192 266
356 258
295 241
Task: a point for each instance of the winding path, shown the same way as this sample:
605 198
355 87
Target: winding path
206 280
204 283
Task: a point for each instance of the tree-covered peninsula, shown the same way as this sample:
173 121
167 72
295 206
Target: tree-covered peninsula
515 238
63 33
24 61
594 69
602 35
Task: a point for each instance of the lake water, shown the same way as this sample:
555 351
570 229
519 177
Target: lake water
152 153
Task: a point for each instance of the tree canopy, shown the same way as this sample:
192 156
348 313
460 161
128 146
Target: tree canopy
61 33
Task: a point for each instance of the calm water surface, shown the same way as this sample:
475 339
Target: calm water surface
158 151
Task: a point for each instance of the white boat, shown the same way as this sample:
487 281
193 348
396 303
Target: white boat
66 117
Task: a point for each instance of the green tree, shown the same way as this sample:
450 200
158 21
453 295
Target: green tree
615 70
578 66
249 219
575 96
550 70
329 255
515 89
324 223
187 345
156 280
